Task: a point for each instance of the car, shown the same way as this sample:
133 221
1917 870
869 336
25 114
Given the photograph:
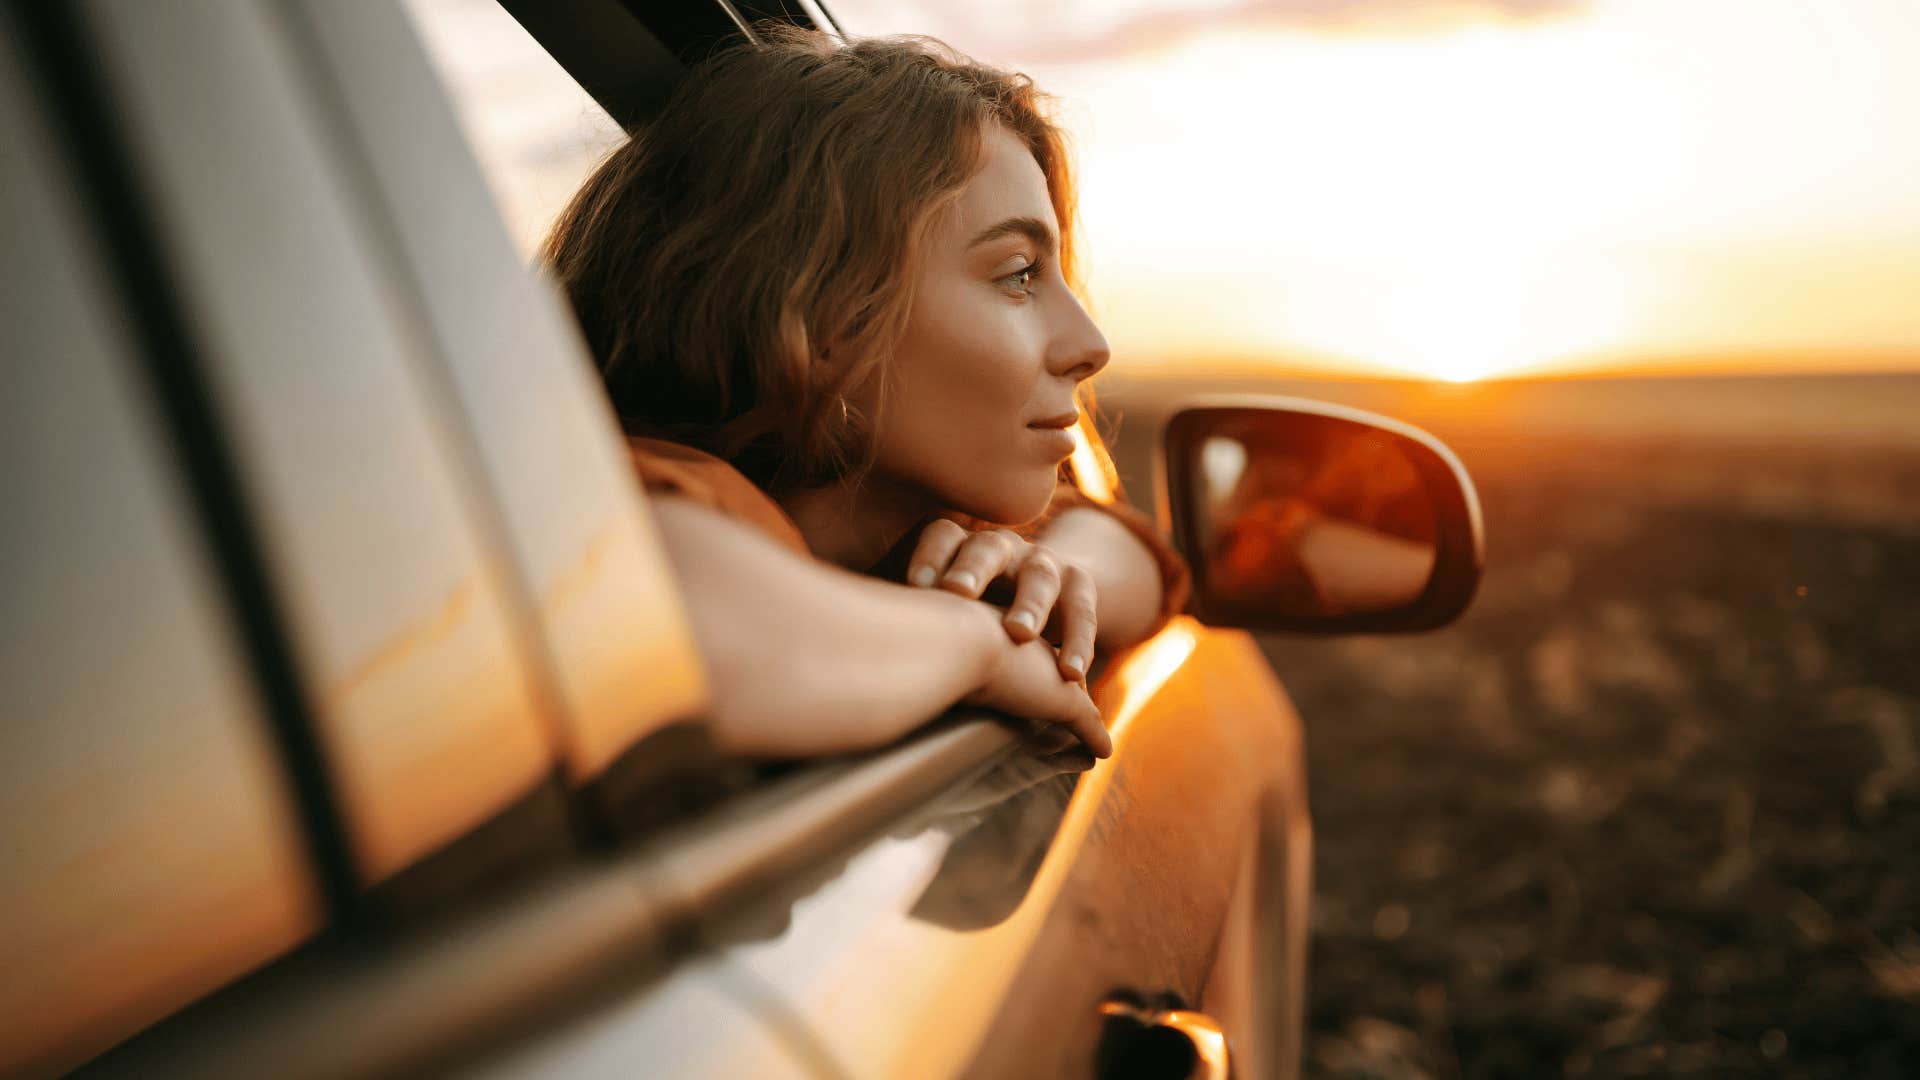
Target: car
353 717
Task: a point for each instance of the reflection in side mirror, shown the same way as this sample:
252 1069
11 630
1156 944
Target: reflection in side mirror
1299 515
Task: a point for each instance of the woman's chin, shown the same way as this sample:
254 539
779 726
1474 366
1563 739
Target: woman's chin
1015 503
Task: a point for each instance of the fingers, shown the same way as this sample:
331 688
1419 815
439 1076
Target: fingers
982 557
1036 587
939 542
1079 621
965 563
1085 722
1074 710
1026 684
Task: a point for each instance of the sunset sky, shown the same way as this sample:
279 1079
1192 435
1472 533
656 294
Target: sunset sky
1452 188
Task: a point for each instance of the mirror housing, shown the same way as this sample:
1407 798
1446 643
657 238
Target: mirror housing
1309 517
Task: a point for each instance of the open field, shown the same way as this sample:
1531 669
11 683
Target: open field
1653 806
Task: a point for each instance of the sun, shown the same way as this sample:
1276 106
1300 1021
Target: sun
1409 231
1490 308
1456 370
1454 348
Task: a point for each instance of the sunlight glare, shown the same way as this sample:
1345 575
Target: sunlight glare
1489 200
1149 667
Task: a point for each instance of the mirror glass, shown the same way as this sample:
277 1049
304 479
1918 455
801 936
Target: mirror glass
1310 516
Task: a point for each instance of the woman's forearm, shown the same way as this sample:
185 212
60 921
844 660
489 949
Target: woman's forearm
804 658
1126 577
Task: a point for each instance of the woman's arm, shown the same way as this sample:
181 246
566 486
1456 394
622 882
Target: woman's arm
1126 577
804 658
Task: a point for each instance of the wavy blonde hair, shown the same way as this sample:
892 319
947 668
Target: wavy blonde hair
743 266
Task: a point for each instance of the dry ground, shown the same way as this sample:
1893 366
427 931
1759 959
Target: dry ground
1653 806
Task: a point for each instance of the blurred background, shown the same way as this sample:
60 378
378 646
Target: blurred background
1653 269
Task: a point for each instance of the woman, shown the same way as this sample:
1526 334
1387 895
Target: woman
829 291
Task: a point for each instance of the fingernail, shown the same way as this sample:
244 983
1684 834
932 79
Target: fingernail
923 576
1021 619
961 580
1077 666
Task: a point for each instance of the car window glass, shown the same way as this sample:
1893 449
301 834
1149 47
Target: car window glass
589 575
153 850
536 132
420 688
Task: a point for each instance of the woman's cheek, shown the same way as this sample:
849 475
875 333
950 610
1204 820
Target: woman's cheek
968 384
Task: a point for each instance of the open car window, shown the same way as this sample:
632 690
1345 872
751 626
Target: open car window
536 133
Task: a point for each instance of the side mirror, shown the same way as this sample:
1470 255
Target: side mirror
1311 517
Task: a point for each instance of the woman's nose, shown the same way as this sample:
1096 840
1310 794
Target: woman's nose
1079 348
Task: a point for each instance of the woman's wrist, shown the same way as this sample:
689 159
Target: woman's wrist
979 637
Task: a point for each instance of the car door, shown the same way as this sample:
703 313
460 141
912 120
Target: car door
325 596
1039 920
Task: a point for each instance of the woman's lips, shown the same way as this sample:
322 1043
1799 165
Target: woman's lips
1058 441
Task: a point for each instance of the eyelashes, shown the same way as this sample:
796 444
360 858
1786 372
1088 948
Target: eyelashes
1021 280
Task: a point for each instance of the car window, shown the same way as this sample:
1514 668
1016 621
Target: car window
536 133
419 687
594 585
153 848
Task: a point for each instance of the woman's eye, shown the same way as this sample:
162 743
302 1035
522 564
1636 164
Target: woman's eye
1021 280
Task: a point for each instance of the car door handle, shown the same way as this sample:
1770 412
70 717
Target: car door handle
1208 1038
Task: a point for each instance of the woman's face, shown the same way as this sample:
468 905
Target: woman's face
981 390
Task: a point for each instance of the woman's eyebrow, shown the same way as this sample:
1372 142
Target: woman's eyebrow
1030 227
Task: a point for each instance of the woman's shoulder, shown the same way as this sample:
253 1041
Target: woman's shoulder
673 468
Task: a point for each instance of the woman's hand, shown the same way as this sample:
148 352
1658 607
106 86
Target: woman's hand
803 658
1051 596
1025 682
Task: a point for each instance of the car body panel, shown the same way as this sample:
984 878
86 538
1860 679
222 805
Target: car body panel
1215 766
708 1020
979 937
